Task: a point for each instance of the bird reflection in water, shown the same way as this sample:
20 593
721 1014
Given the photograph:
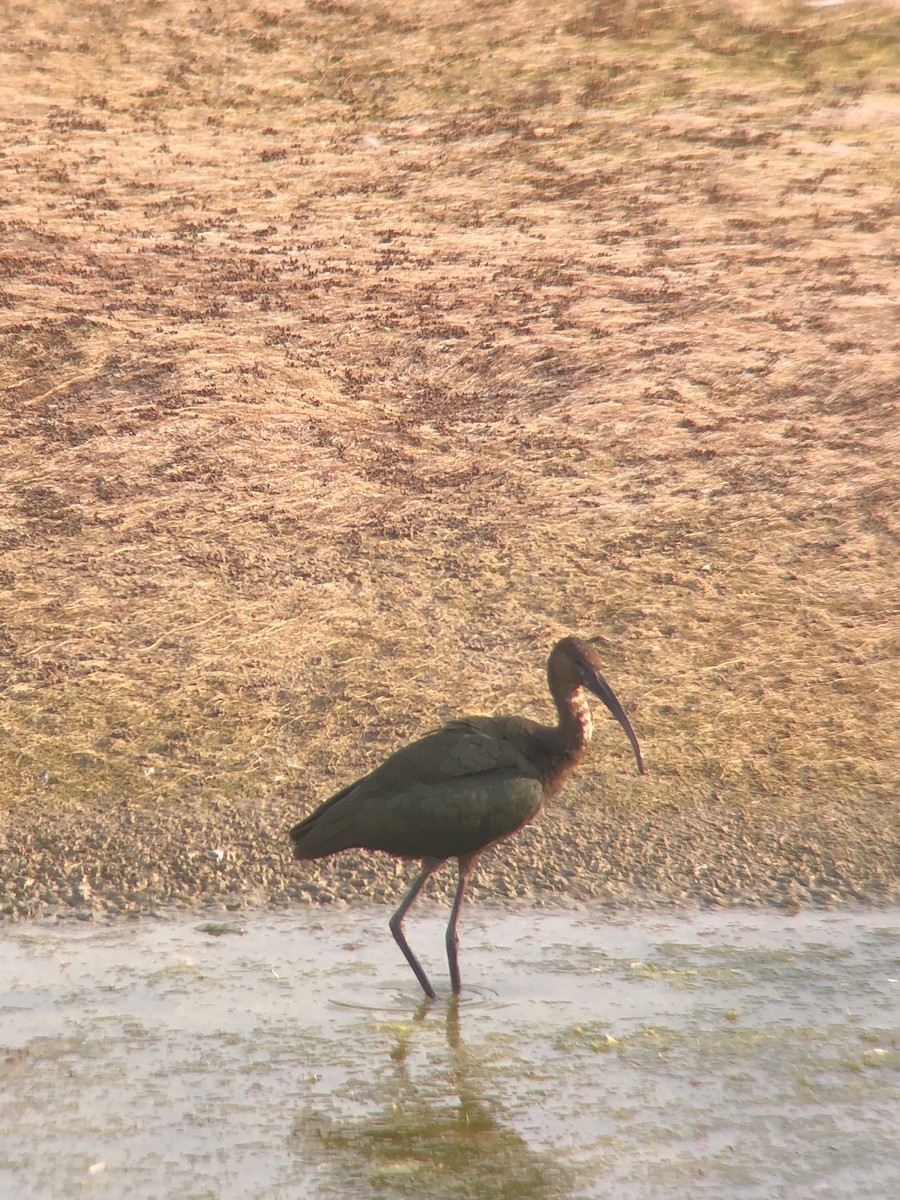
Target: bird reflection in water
435 1125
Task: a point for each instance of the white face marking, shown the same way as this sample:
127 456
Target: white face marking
583 713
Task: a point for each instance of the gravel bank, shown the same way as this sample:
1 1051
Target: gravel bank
131 861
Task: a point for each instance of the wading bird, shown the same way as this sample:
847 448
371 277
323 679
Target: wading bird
465 787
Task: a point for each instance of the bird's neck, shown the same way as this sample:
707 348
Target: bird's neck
560 747
575 727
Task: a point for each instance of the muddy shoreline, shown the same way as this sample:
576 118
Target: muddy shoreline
131 863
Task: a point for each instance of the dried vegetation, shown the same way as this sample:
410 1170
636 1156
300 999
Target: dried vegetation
352 353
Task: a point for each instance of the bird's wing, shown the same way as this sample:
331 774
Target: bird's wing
458 816
452 792
469 746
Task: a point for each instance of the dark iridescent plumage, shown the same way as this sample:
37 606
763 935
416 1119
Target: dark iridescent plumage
463 787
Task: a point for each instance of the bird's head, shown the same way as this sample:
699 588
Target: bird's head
574 663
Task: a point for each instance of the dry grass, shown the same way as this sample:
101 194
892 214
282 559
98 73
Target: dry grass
352 354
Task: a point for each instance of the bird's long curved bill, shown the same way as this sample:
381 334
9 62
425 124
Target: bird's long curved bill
598 685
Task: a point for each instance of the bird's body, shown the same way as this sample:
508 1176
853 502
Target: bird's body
463 787
452 792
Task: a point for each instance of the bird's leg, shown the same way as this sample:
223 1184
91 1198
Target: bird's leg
465 866
429 866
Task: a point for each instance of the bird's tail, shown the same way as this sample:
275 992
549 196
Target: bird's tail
329 829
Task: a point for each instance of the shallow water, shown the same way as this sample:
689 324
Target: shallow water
729 1053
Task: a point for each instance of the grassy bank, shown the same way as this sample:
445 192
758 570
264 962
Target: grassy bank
352 354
